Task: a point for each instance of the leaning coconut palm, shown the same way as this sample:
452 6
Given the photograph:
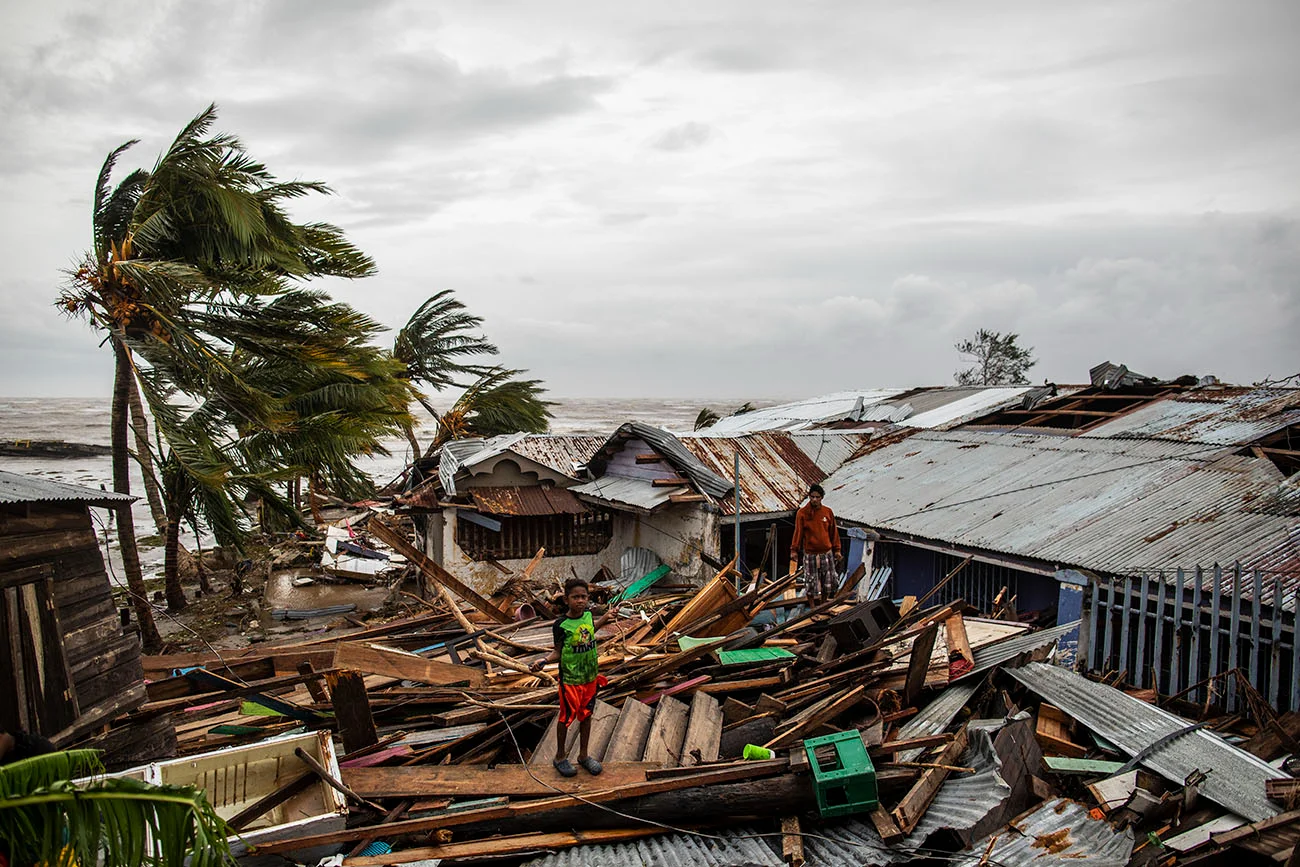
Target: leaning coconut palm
206 223
434 344
496 403
47 819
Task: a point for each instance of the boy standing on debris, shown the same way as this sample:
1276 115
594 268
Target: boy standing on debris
575 650
816 547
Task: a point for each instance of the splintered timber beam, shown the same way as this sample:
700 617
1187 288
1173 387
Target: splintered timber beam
917 801
391 662
432 571
500 814
352 710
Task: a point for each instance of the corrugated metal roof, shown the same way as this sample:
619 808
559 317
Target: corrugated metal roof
993 655
944 408
668 446
1108 504
774 472
17 488
802 414
562 453
1058 831
936 717
743 847
621 490
1210 415
527 501
829 449
1235 778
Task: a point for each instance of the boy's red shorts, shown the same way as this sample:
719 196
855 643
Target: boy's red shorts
577 700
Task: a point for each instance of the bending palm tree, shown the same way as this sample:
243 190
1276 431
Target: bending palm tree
495 404
207 224
432 345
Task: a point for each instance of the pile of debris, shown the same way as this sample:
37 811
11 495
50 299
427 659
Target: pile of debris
735 716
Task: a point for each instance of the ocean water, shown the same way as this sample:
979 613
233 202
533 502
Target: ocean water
85 420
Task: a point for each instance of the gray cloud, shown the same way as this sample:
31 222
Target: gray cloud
1111 179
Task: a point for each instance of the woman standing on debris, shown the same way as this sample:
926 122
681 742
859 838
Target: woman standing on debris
816 547
575 650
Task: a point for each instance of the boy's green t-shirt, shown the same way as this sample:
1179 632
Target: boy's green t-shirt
576 639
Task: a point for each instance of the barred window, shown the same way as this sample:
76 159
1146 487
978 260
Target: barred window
521 536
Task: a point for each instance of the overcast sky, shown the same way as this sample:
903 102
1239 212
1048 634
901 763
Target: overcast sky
685 199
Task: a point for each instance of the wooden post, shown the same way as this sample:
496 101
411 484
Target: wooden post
352 710
919 664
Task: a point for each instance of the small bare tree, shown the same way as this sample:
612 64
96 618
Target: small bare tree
997 359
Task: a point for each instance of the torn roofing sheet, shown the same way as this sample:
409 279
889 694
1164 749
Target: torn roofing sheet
1235 778
1060 831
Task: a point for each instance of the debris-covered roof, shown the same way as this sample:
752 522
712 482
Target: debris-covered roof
1213 414
1059 831
1235 778
670 448
640 494
801 414
19 488
1109 504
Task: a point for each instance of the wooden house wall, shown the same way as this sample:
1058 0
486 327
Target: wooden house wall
104 662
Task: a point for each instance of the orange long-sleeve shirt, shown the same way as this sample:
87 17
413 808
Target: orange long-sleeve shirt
814 532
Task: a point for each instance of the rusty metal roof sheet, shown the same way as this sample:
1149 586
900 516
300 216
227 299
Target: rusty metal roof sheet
829 449
1058 831
562 453
526 501
1235 778
1114 505
18 488
1231 416
774 471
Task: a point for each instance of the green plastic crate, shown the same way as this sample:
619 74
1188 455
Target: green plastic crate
847 784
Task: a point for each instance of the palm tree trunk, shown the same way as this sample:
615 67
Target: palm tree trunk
409 430
149 636
144 457
171 566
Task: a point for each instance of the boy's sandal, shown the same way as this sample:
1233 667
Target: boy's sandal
565 767
590 765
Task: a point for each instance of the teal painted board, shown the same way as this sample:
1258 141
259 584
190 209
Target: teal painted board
756 654
640 585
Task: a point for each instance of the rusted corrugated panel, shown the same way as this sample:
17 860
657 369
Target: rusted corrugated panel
1113 505
560 453
17 488
526 501
1058 832
740 847
774 472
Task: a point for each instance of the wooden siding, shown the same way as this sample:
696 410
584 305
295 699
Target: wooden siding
55 542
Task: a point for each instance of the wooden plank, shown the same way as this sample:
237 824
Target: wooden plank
712 596
648 458
462 781
958 641
672 482
391 662
432 571
703 731
667 732
725 686
834 707
352 710
885 825
507 812
919 664
734 710
1053 732
792 841
627 741
919 797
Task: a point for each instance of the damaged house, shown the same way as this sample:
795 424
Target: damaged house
1166 514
